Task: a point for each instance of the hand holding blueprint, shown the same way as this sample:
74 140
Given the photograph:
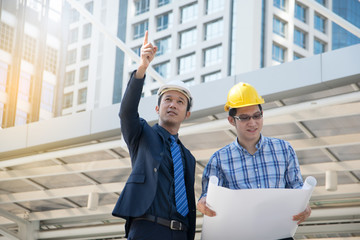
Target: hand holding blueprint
254 214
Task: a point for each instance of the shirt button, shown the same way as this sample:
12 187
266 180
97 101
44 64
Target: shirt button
155 169
258 185
256 170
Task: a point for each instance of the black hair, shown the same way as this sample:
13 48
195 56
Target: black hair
189 102
232 111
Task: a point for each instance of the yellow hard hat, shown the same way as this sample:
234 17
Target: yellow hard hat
242 95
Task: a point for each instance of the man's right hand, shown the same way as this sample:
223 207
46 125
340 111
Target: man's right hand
203 208
147 54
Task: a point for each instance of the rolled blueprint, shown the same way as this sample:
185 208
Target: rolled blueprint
254 214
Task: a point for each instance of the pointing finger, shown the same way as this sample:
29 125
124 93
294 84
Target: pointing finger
145 38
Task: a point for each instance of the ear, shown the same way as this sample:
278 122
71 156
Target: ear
231 120
157 109
187 115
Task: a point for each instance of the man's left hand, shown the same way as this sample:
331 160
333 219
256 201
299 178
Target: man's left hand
301 217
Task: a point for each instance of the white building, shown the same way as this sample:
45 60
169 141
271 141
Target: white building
91 58
30 46
205 40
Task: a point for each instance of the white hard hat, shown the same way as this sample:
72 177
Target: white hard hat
176 85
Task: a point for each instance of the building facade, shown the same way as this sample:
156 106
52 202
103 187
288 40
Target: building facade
91 58
205 40
199 41
30 43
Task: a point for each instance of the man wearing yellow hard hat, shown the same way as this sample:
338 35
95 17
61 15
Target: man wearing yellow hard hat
252 160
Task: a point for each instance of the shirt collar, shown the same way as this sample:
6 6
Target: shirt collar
166 134
259 144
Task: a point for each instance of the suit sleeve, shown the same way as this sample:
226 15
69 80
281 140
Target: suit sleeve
130 121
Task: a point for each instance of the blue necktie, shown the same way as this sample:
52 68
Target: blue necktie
180 190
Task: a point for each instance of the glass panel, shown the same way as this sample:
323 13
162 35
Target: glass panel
213 6
189 13
186 64
164 46
188 38
141 6
213 56
47 96
279 27
139 29
300 12
299 38
214 29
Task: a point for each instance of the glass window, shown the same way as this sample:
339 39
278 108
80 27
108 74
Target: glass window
47 96
189 13
29 49
89 6
74 15
214 29
71 57
278 27
213 55
84 74
73 35
20 117
319 23
279 4
186 64
213 6
300 12
278 53
51 59
163 2
24 86
87 30
6 37
141 6
164 46
163 69
319 47
82 96
69 78
137 50
188 38
139 29
3 77
322 2
154 91
68 100
164 21
189 82
297 56
300 38
211 76
85 52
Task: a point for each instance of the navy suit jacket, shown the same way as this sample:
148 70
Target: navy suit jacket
147 150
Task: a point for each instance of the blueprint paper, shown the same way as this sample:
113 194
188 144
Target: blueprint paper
254 214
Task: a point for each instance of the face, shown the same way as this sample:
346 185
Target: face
247 131
172 109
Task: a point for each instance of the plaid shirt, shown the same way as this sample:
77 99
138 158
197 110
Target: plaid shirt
274 165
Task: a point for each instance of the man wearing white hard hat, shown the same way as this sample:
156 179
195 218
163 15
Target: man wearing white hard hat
158 200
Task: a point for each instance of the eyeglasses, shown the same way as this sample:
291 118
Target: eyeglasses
246 118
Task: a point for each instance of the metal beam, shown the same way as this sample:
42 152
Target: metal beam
320 168
50 171
61 193
326 142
